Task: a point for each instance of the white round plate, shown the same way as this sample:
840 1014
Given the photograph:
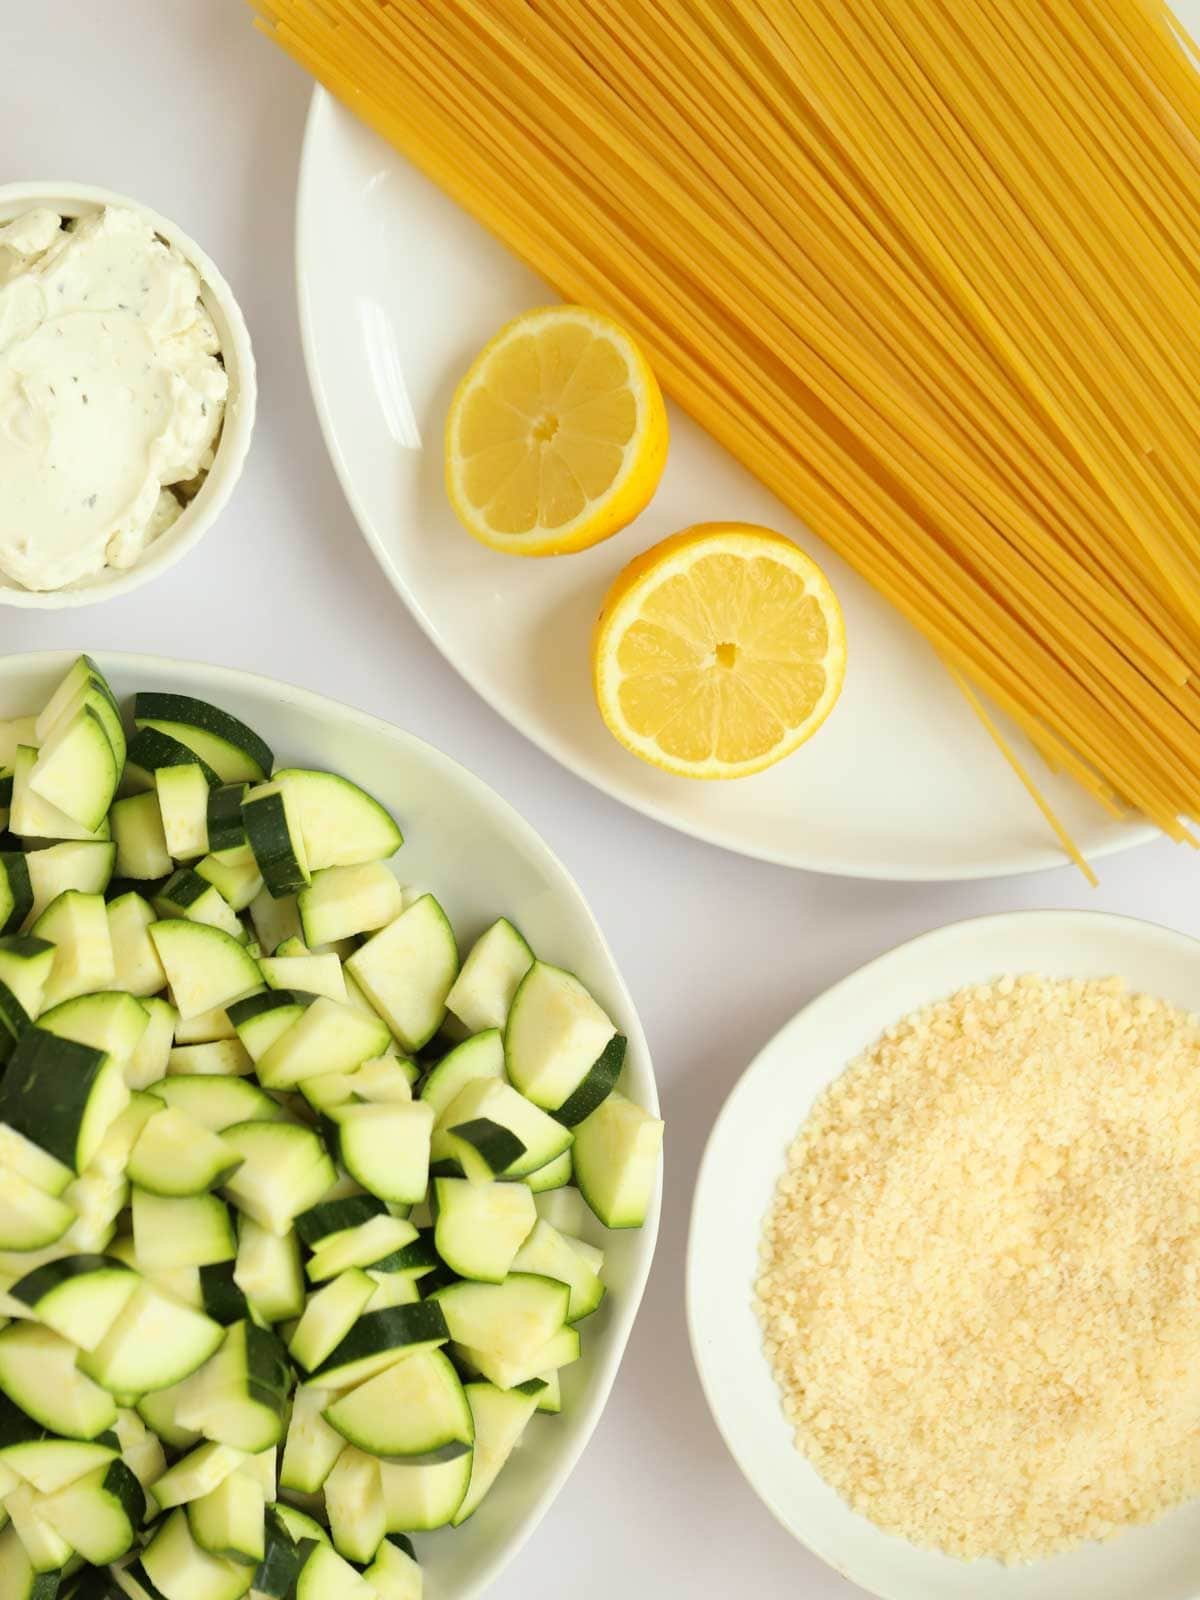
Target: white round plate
743 1162
399 289
482 860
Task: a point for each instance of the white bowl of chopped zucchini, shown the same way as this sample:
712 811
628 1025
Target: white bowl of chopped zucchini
327 1197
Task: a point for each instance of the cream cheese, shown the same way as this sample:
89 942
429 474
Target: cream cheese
111 391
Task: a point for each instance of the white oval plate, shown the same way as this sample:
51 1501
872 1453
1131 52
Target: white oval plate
399 289
743 1162
482 860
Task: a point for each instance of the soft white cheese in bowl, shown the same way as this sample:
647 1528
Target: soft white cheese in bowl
127 394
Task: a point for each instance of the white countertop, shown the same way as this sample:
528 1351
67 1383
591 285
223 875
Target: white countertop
180 104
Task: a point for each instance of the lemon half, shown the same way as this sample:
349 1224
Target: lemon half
719 651
557 436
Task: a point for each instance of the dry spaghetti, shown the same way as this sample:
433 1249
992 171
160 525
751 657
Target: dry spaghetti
928 270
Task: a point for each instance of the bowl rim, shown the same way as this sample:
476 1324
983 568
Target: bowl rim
709 1170
240 409
624 1311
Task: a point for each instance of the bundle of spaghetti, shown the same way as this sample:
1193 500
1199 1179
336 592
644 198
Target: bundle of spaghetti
926 269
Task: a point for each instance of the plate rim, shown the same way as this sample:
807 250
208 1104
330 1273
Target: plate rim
591 1410
945 932
1044 857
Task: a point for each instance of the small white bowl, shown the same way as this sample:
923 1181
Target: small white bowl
745 1158
78 199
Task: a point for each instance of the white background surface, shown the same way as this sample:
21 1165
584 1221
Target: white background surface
181 104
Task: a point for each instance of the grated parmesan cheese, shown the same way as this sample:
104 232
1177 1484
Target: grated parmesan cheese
980 1278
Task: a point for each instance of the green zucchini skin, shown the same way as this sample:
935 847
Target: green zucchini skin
46 1088
378 1331
276 1574
226 825
16 891
151 748
596 1087
270 1000
16 1427
499 1146
271 840
415 1258
184 887
332 1216
223 1301
13 1022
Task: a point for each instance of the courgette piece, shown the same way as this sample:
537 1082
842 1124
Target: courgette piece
34 1453
274 834
415 1408
25 967
326 1575
479 1057
61 1095
141 845
79 1297
180 1570
154 1343
151 750
205 966
181 1231
560 1047
136 967
77 926
616 1159
262 1019
407 970
499 1418
268 1271
513 1319
233 750
481 1227
423 1497
394 1574
285 1170
552 1255
483 992
221 1297
225 826
335 1216
16 891
386 1147
83 864
328 1037
218 1102
342 825
312 1446
183 799
340 902
378 1339
229 1521
38 1373
186 894
480 1130
176 1155
99 1515
360 1246
329 1316
355 1506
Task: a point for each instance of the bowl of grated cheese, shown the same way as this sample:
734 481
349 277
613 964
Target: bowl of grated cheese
958 1352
